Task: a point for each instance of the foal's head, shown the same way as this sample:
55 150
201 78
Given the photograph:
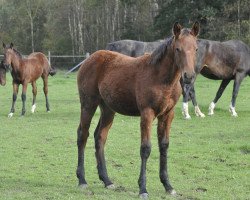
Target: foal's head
3 70
185 47
9 54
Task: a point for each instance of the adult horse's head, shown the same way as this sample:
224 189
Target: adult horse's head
185 47
8 53
3 70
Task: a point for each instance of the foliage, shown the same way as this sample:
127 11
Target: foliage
208 158
79 26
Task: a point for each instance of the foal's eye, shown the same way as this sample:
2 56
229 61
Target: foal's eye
196 49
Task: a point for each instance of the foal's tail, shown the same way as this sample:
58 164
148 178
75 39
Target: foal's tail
52 71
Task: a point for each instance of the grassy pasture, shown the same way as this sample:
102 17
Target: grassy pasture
208 158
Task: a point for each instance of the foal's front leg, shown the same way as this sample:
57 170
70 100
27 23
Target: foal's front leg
24 98
14 97
163 130
147 117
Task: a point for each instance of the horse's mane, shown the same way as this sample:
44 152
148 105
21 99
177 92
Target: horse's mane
17 53
160 51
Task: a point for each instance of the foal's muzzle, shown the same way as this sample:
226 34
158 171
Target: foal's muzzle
188 78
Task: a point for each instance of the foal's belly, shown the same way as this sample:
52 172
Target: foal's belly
119 99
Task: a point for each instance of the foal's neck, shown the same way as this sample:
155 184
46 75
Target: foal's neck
16 62
171 72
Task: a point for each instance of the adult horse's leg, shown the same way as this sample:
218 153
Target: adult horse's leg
147 117
101 133
163 130
192 95
238 79
24 98
14 97
34 91
82 136
185 94
220 91
45 90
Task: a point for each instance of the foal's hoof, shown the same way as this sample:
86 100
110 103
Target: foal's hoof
33 108
111 186
83 186
143 196
10 115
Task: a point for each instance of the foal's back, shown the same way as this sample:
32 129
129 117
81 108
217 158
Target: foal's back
113 77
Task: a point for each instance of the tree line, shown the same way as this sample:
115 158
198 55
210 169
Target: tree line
78 26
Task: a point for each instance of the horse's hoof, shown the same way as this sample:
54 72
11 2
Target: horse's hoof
210 113
143 196
234 115
111 186
172 192
10 115
48 111
33 108
187 117
202 115
83 186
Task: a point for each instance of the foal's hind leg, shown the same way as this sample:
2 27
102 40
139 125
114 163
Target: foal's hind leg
14 97
220 91
82 136
45 90
34 91
101 133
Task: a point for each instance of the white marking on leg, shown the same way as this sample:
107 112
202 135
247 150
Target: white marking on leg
143 196
198 112
211 108
10 114
33 108
185 111
232 110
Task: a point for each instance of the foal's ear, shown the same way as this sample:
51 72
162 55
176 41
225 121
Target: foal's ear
177 29
11 45
195 28
4 45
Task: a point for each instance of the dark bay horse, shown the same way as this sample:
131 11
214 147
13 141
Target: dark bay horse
147 86
27 70
224 61
135 48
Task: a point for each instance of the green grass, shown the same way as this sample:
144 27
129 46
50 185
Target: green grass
208 158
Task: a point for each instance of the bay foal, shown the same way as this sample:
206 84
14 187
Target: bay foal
146 86
27 70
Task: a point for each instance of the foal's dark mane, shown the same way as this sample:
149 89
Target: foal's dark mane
160 51
17 53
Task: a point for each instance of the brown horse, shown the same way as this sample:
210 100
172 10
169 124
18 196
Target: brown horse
27 70
146 86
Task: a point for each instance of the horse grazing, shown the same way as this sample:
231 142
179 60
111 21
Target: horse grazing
224 61
135 48
146 86
27 70
3 70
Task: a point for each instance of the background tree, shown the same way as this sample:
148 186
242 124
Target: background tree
79 26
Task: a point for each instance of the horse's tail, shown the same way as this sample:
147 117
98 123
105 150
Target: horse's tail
52 71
